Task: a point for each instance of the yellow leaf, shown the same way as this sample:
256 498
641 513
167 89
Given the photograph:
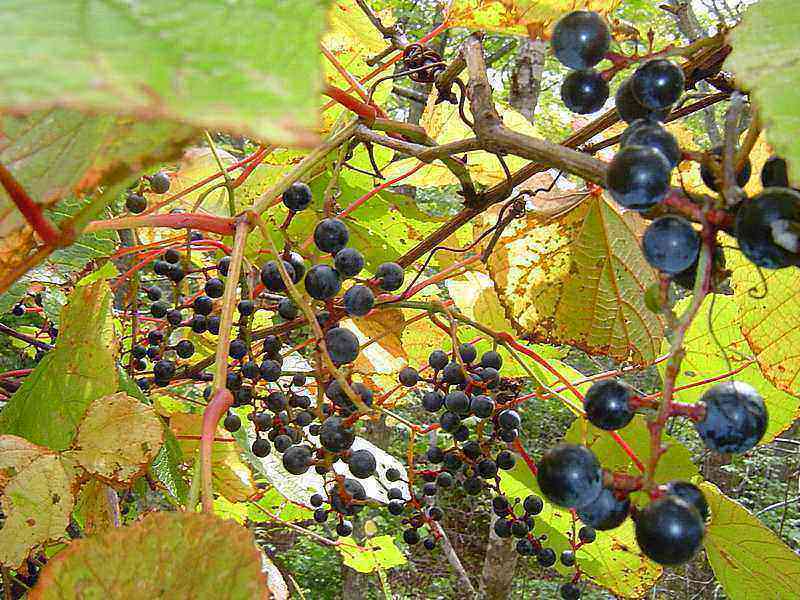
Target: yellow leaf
579 279
531 17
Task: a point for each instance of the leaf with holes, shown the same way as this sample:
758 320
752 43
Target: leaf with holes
169 59
60 155
766 60
579 279
613 560
35 496
165 555
524 17
52 400
716 349
117 438
747 558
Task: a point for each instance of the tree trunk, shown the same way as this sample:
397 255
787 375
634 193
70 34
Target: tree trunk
497 576
526 81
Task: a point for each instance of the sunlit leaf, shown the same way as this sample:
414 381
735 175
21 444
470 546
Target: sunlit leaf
117 438
377 553
748 559
579 279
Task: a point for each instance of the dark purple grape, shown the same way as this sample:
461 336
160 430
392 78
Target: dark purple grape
650 134
584 92
349 262
342 345
580 39
630 109
184 348
261 447
334 436
362 463
322 282
297 197
457 402
203 305
159 182
214 288
669 531
671 244
358 300
773 173
331 235
232 423
570 476
492 360
607 404
135 203
438 360
605 512
390 276
408 376
768 228
288 309
658 83
297 459
638 177
735 418
271 275
691 494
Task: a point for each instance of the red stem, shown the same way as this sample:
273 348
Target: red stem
220 402
32 212
17 373
362 109
517 445
202 222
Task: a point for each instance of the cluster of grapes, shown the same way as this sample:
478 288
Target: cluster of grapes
731 418
639 176
283 414
475 406
158 183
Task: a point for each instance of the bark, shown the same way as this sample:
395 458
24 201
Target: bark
497 576
526 81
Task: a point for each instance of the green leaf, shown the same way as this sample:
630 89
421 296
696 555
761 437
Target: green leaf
166 468
48 406
748 559
578 278
766 60
377 553
276 504
252 66
36 501
676 463
165 555
714 356
58 156
613 560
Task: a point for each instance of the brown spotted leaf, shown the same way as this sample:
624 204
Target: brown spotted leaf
117 438
36 498
579 279
165 555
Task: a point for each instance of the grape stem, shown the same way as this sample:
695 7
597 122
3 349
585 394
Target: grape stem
677 353
44 228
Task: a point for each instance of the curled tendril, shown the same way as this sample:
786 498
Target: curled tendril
423 62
